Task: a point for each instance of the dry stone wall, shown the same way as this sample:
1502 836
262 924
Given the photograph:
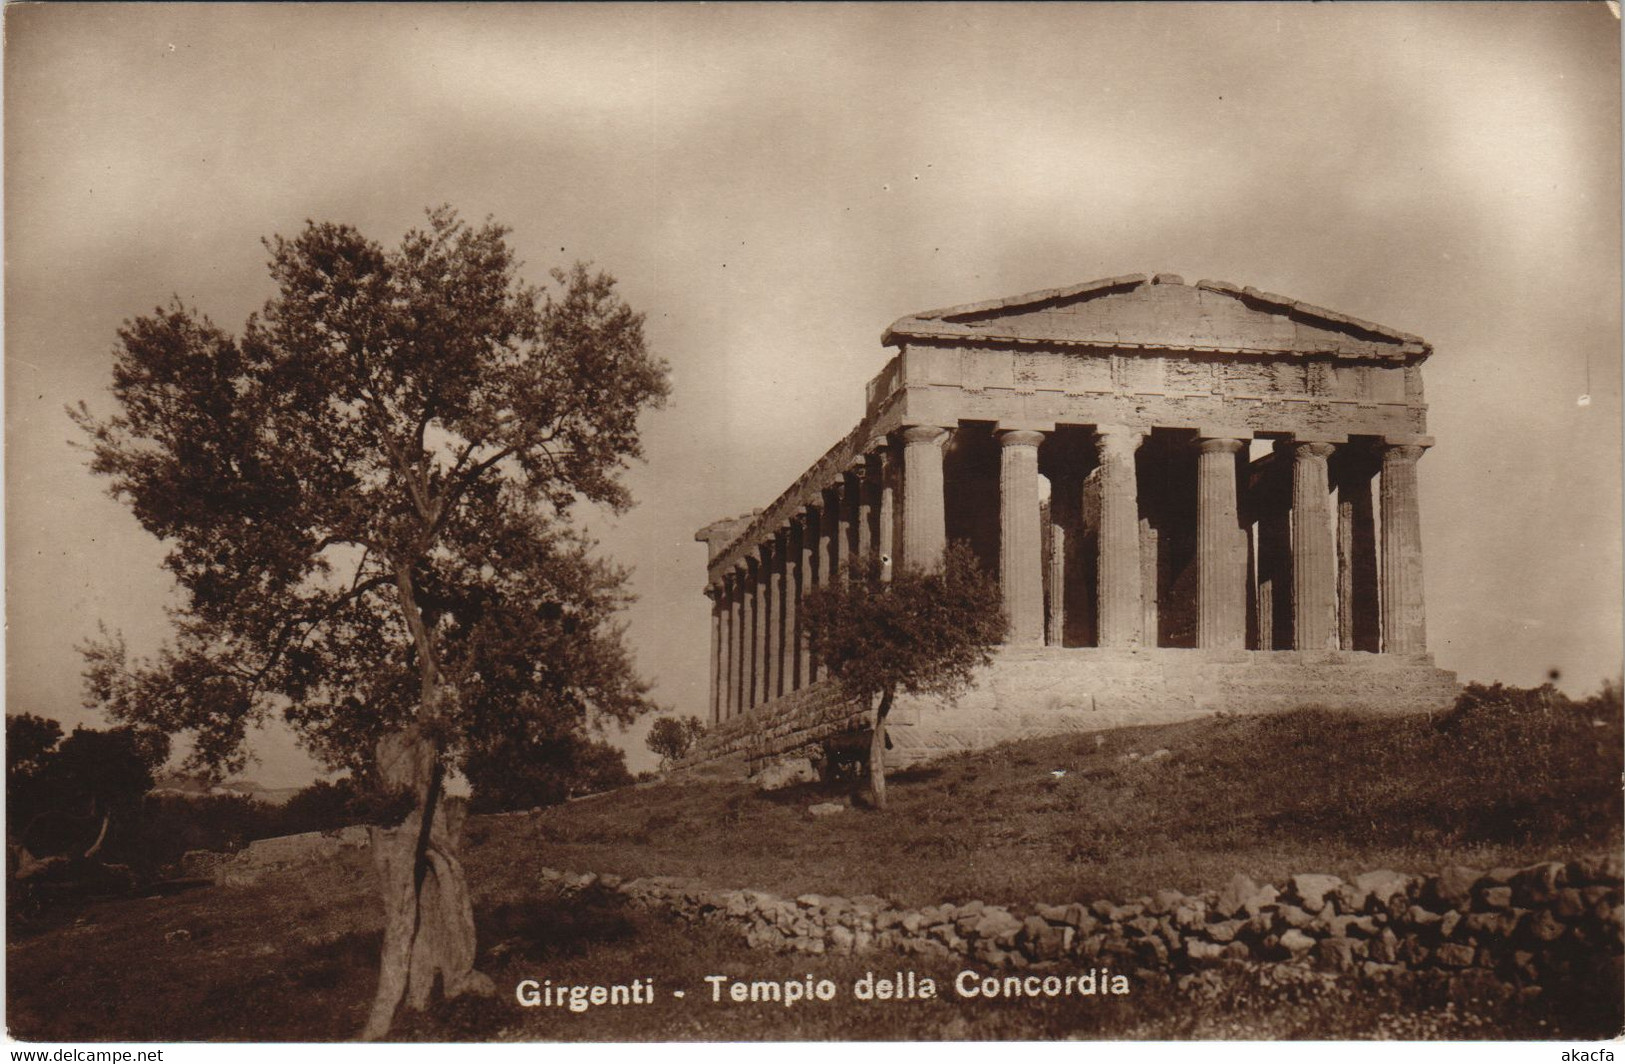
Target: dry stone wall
1523 929
248 865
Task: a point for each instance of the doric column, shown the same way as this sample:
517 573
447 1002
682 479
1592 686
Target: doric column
886 518
736 641
1404 620
1275 552
925 528
806 538
858 492
1021 574
1221 621
1121 613
1055 582
718 678
823 522
789 637
1151 620
839 540
1314 591
1358 624
762 658
750 654
773 607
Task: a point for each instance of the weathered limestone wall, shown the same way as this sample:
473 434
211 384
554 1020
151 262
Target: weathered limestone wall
1523 929
786 727
1035 691
1046 691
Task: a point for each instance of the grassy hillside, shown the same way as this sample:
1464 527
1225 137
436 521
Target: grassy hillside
1502 782
1507 780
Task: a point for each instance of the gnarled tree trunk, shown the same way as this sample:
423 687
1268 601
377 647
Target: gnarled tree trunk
428 917
877 753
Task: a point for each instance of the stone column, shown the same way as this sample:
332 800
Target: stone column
1118 576
736 641
840 528
772 635
886 520
925 527
1151 622
717 677
824 553
749 651
1357 593
1404 620
1275 552
806 537
859 485
1055 632
1314 592
1221 620
1021 574
790 559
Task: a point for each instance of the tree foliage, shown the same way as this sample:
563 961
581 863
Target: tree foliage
366 498
672 737
363 495
524 772
925 632
29 742
64 794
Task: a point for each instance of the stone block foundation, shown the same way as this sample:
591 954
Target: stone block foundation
1030 692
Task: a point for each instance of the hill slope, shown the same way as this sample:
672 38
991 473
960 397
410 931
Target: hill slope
1502 781
1507 780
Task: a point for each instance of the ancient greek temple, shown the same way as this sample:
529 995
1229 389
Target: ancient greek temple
1197 498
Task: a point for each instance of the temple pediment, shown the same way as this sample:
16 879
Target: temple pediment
1160 313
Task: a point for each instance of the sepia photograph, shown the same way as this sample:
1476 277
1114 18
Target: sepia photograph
801 523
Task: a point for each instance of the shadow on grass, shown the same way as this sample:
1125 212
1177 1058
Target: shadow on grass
553 926
522 937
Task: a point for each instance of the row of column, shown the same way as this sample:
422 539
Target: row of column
1323 579
759 651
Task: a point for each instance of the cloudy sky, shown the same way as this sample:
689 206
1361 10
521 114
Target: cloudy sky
774 185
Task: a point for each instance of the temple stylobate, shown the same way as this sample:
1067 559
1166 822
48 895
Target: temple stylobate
1197 498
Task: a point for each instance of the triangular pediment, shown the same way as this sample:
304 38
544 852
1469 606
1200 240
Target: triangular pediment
1161 312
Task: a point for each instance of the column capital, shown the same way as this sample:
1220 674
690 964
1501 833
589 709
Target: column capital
1020 437
1313 449
877 446
923 434
1403 452
1117 440
1220 444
